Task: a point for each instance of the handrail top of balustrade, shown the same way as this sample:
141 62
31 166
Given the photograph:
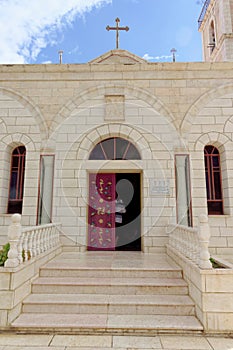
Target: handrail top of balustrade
39 227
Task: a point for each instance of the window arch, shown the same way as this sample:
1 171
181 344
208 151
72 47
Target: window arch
114 148
213 180
15 199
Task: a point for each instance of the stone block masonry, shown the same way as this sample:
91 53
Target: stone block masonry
164 109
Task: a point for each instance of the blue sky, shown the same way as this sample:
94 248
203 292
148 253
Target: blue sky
32 31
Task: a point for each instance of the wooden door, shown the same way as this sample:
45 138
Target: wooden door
101 212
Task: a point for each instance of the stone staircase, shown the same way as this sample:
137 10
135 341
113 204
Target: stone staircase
109 292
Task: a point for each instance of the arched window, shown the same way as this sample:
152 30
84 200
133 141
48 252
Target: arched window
213 180
15 199
115 148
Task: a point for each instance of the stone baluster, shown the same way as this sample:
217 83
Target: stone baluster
57 230
184 242
194 247
204 237
188 244
43 240
179 240
20 248
37 242
30 244
56 233
25 245
46 233
51 236
34 241
14 233
40 242
197 249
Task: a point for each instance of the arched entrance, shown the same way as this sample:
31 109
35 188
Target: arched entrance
114 208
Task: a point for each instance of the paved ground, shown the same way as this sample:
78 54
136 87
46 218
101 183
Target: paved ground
72 342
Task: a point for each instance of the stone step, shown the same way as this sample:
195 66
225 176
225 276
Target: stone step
109 304
68 270
109 286
109 293
112 324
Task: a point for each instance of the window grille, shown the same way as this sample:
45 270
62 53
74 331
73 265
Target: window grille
115 148
213 180
15 199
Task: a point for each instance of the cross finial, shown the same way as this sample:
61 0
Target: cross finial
173 51
60 56
117 28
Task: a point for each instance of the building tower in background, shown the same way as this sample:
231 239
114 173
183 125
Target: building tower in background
216 26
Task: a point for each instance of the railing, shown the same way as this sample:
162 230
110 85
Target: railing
203 12
29 242
193 243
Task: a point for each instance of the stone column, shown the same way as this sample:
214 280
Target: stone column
204 238
14 232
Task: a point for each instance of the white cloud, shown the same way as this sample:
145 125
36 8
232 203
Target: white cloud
28 26
74 50
158 58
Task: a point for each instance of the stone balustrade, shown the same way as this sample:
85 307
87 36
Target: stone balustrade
193 243
29 242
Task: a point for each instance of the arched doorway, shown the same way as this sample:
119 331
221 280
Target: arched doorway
114 208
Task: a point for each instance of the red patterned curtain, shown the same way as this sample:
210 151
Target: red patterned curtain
101 212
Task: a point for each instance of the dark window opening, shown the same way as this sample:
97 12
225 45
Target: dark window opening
212 40
213 181
15 200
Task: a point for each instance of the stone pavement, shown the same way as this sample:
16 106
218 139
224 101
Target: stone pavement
10 341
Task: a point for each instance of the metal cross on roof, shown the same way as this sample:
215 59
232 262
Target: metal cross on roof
117 28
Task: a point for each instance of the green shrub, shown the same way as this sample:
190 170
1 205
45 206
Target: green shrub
216 264
4 253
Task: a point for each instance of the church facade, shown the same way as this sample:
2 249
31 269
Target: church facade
163 131
118 149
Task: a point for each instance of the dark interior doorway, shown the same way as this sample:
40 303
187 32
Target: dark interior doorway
128 212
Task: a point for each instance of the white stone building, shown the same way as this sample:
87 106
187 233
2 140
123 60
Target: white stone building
150 125
126 155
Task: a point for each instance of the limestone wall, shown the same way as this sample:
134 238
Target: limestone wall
211 291
15 285
164 109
